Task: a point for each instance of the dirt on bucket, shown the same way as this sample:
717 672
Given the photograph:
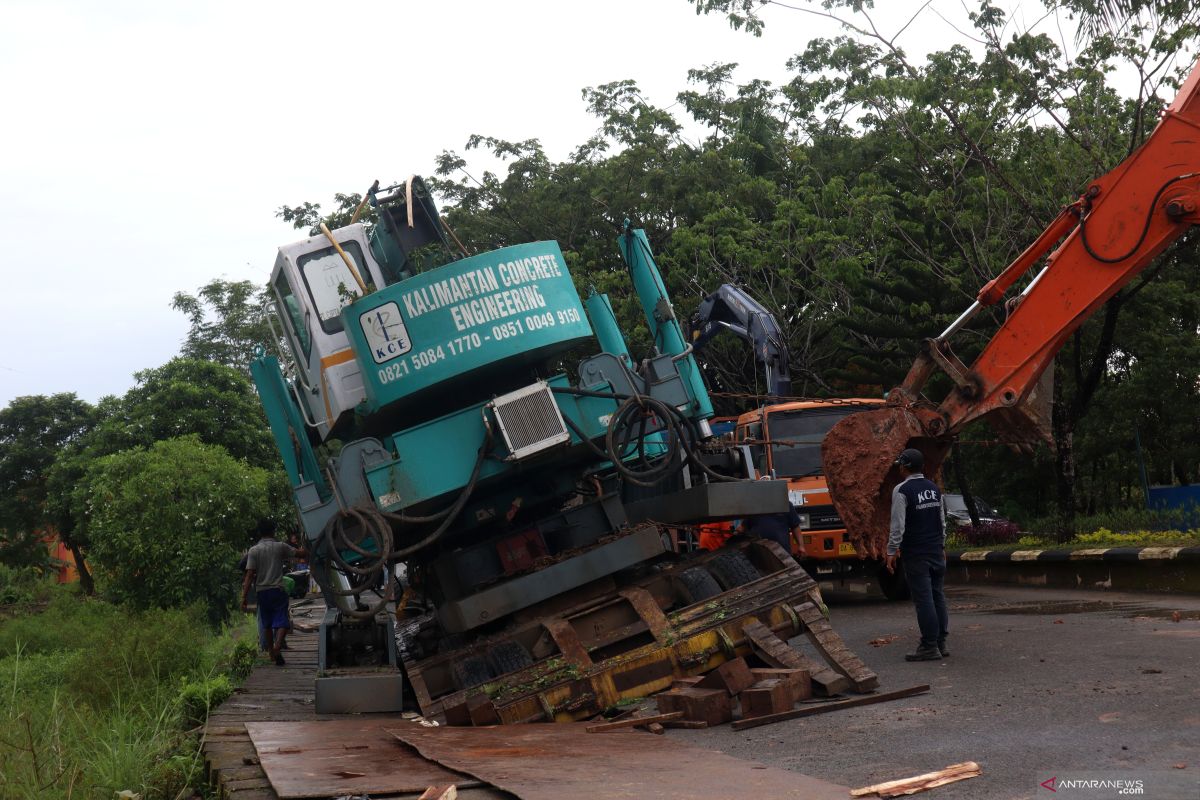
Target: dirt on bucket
858 455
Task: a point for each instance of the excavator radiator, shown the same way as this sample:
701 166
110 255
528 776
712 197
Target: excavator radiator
529 420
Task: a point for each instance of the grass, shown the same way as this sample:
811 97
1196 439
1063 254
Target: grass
95 699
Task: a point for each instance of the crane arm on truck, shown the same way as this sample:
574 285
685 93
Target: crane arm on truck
732 309
1093 248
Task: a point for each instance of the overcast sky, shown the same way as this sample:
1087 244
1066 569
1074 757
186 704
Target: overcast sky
146 144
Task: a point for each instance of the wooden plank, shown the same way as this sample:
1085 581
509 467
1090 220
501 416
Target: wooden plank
920 783
686 724
772 696
633 722
836 705
440 793
777 653
732 676
713 706
798 679
834 650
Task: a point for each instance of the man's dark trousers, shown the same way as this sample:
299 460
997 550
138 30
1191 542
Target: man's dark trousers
926 575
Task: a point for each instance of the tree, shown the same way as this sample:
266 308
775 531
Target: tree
228 322
183 397
167 522
33 431
987 150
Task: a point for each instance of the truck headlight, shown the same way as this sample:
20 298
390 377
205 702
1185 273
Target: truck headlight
805 524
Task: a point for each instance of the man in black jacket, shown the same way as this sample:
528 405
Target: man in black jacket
918 530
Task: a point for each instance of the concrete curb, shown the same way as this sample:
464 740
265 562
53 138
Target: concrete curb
1114 554
1156 569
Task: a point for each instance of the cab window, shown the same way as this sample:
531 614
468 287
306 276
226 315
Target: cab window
329 282
289 305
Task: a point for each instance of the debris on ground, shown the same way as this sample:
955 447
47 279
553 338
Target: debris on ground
883 641
921 783
634 722
822 708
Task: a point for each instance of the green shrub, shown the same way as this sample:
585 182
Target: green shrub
197 698
1106 538
23 586
168 522
242 659
1122 520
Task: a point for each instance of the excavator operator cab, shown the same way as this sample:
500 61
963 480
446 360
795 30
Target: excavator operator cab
310 284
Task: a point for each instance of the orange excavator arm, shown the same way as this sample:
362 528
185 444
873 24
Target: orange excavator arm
1114 231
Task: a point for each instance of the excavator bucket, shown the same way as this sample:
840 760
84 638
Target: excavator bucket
858 456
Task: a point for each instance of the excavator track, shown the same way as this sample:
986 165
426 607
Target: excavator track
630 641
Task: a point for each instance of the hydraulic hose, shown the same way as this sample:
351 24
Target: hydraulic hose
376 526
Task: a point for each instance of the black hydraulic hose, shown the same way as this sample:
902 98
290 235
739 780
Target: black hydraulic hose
584 437
336 538
454 510
1145 228
686 424
377 525
620 420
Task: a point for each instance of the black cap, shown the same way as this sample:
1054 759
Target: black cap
911 458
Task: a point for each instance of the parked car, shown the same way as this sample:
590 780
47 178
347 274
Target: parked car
957 514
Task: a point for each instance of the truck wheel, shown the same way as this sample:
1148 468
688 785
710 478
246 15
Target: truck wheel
697 585
893 586
508 657
470 671
732 569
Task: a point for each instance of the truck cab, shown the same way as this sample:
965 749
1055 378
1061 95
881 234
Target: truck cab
785 440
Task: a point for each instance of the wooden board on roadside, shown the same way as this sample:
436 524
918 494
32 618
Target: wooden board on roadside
921 783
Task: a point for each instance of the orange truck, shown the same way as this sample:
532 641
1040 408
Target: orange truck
785 441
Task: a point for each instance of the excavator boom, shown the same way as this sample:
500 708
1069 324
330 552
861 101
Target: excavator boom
1118 226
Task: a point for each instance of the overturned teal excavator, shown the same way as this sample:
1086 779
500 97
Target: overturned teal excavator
492 486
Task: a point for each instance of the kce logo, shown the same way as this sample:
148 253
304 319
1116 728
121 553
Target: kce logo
927 495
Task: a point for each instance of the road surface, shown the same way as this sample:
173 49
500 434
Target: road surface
1039 683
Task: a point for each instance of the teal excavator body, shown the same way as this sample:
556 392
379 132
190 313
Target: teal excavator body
464 432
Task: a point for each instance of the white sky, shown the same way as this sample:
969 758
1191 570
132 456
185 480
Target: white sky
145 145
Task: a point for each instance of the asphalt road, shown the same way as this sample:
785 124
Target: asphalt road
1040 682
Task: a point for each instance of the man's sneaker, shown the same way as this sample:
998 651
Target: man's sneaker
942 649
924 653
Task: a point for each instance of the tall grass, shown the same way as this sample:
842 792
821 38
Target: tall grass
96 699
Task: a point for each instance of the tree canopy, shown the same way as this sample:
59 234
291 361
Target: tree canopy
168 522
33 431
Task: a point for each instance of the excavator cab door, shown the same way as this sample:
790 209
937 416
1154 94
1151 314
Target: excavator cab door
311 284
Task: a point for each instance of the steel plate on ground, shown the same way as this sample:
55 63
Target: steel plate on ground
551 762
332 758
